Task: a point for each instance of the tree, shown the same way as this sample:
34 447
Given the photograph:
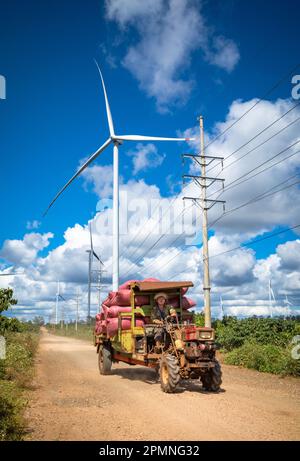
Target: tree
38 320
6 299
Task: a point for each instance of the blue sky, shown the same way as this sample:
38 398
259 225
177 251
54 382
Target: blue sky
54 115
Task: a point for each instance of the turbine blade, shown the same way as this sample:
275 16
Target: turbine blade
108 112
83 167
91 238
137 137
96 256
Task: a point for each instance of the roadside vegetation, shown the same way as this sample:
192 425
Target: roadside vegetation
264 344
16 369
84 330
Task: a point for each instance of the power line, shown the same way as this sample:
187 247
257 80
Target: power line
259 145
259 197
260 133
157 241
256 174
274 234
255 168
155 225
253 106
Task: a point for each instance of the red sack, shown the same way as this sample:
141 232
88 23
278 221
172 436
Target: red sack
187 303
112 325
122 298
113 311
126 285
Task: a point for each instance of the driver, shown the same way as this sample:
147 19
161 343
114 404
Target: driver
161 312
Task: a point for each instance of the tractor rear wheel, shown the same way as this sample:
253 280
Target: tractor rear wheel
104 360
169 373
212 379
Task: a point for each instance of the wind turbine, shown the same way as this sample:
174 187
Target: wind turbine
271 295
116 140
92 254
58 297
287 304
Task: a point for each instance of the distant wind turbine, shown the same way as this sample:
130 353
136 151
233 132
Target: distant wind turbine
92 254
271 295
287 304
116 140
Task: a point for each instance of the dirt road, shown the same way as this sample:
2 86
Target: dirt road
73 402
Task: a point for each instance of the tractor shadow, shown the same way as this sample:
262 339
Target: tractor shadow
145 375
150 376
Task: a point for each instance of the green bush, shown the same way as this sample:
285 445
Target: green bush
16 373
264 357
232 332
11 408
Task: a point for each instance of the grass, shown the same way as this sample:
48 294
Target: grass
84 331
16 374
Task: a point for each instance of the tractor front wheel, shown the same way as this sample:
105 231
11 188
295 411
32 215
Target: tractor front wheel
169 373
212 379
104 360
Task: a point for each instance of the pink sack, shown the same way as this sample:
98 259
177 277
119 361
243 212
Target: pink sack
151 279
188 303
126 285
112 325
113 311
100 327
122 298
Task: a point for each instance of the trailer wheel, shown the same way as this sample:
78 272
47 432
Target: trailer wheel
169 373
104 360
212 379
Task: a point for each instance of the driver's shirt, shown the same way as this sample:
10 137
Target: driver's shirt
160 314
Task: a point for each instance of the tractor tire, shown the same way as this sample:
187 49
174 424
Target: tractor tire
104 360
212 379
169 373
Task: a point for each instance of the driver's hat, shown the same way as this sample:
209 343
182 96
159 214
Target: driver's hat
161 294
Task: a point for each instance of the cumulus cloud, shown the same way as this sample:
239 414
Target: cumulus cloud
100 178
144 157
242 157
24 252
170 32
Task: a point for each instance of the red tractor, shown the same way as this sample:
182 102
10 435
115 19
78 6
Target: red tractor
188 351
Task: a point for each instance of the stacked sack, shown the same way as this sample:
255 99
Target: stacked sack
119 302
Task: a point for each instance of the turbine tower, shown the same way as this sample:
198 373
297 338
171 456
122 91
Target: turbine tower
116 140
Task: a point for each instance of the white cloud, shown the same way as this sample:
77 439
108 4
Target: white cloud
169 31
30 225
100 178
281 209
289 254
24 252
145 157
225 53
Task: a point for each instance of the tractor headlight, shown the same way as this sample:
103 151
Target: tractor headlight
206 334
179 344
